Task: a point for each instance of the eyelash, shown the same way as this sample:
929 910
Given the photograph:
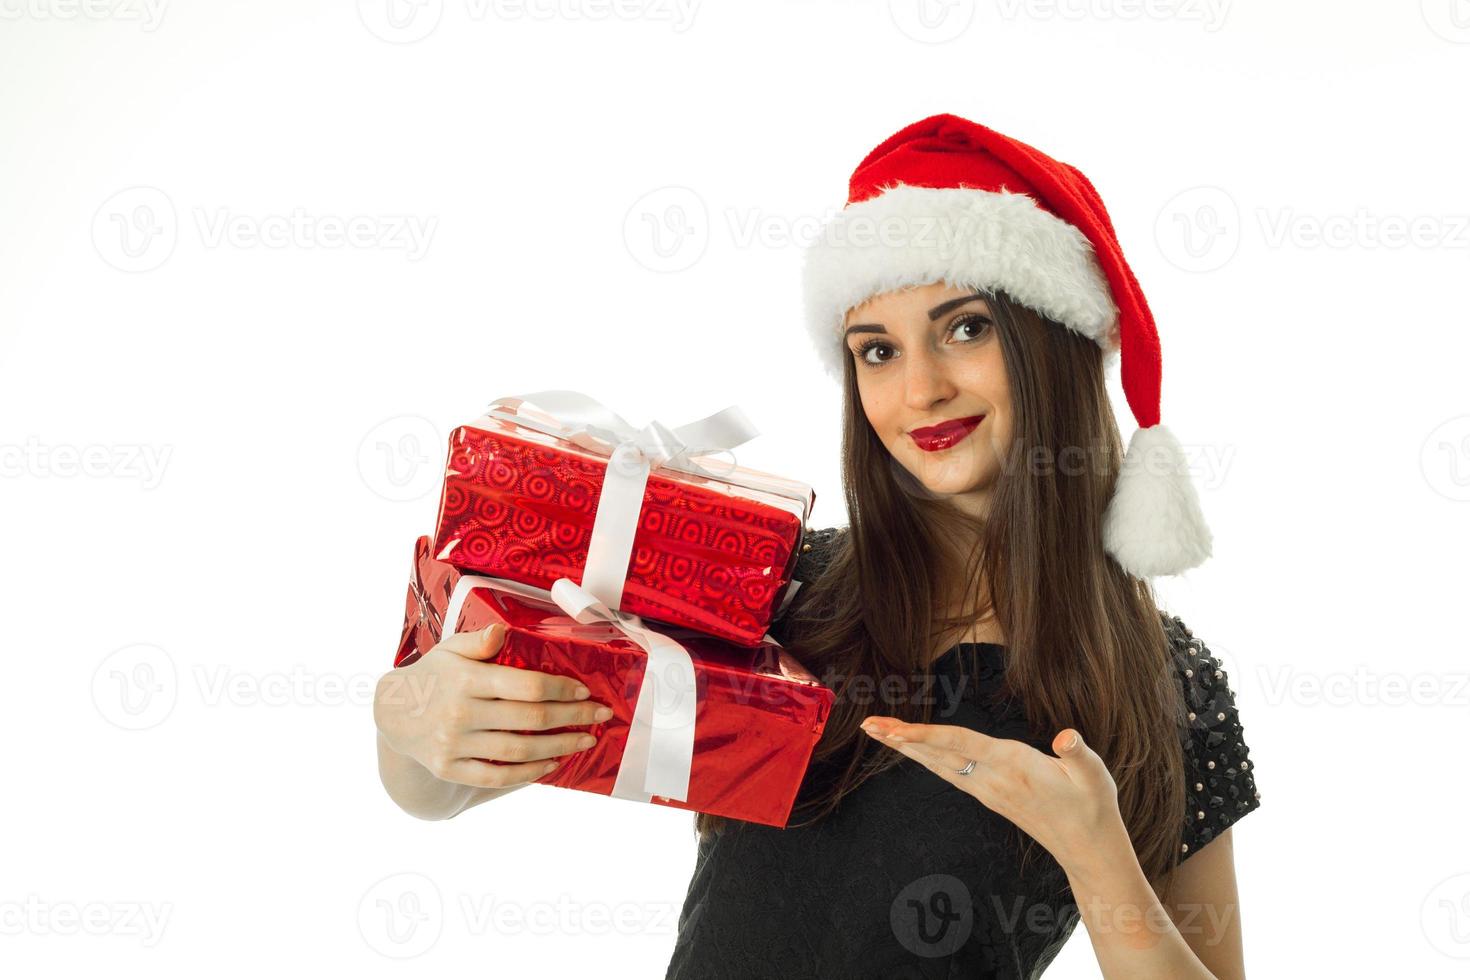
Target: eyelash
867 345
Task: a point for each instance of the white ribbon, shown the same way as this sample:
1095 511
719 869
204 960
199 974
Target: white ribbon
660 749
632 453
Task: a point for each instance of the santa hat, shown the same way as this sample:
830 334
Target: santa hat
946 199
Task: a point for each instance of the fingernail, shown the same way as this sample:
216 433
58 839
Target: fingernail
581 691
550 766
602 714
586 742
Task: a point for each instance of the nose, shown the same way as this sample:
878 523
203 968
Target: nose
925 381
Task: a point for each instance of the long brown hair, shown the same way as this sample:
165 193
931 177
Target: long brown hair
1085 646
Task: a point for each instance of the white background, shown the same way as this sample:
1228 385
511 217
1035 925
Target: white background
221 427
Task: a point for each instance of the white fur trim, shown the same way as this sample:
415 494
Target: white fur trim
1153 524
908 236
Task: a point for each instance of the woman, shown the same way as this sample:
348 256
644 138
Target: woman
1019 735
1020 739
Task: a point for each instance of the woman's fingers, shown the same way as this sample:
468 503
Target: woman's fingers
1002 766
532 715
478 772
476 644
1078 759
937 758
480 679
942 742
943 749
949 748
510 747
517 684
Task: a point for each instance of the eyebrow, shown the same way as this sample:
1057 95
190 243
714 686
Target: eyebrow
934 314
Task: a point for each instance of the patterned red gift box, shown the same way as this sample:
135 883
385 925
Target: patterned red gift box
758 713
711 554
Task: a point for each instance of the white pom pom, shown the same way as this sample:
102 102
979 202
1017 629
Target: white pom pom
1153 525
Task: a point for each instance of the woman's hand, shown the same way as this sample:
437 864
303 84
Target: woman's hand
1069 804
456 715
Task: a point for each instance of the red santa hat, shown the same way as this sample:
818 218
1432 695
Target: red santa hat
946 199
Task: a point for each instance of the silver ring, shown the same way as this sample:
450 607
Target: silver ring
969 768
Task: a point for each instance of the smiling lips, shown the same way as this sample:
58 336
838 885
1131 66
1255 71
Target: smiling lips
936 438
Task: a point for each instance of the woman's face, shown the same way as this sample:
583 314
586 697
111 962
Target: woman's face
926 356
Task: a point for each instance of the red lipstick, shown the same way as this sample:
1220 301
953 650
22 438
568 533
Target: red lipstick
936 438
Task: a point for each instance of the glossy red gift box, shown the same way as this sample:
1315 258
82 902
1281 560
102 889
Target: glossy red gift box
713 555
759 713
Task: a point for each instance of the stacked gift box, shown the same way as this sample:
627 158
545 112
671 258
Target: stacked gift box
647 566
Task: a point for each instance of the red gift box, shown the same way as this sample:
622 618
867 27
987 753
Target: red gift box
713 553
757 713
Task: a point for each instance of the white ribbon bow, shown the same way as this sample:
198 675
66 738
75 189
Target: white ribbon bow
632 452
659 753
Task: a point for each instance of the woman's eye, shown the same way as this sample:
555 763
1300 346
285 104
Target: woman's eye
867 349
975 323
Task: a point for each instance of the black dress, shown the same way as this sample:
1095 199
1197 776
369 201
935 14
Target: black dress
912 878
